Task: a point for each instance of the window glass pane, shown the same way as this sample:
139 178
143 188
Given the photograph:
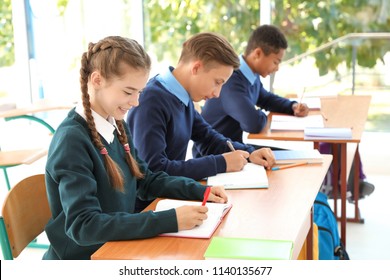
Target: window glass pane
57 36
169 23
7 57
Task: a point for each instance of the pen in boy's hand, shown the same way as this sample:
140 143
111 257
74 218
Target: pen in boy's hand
230 145
206 196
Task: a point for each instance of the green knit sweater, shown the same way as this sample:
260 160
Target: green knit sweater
86 210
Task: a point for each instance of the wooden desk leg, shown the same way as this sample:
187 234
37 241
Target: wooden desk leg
335 176
343 192
309 238
356 179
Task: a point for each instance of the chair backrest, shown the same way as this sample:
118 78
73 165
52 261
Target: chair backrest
25 214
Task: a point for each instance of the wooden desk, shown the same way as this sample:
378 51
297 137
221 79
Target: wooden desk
42 106
341 111
13 158
283 211
17 157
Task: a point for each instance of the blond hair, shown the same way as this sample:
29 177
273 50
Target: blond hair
209 47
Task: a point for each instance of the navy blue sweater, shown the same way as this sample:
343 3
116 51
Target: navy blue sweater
162 126
234 111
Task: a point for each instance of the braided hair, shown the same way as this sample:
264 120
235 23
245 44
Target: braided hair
105 57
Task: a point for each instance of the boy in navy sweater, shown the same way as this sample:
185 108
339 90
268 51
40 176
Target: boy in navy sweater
234 111
166 119
243 98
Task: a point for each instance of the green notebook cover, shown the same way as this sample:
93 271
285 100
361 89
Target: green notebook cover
248 249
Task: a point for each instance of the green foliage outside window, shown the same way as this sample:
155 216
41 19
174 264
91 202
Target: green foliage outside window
7 56
169 23
307 25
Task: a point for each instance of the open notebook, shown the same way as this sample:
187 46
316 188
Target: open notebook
215 214
252 176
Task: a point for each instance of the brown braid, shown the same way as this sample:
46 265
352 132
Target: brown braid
134 168
105 56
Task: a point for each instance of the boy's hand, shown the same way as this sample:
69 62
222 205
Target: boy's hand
300 109
264 157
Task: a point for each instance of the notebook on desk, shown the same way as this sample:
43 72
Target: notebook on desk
215 214
286 122
252 176
248 249
314 103
327 133
297 156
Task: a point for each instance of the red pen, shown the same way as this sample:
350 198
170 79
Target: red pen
206 196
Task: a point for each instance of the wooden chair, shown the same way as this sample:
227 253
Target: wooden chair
25 214
17 157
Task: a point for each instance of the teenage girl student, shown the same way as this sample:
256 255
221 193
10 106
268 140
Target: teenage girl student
93 172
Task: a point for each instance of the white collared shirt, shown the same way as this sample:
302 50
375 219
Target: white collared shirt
104 127
172 85
247 71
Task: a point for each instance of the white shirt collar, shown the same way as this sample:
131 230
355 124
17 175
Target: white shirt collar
247 71
168 80
104 127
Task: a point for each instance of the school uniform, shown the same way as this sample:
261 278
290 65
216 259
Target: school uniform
164 123
240 108
86 210
234 111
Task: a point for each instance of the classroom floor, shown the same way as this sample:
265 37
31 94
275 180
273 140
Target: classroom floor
368 241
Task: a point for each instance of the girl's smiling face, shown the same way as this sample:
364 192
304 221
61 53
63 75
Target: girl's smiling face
115 96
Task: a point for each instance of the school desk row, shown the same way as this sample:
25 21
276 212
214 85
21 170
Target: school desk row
340 111
284 210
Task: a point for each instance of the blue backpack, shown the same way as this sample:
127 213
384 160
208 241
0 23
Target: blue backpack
330 246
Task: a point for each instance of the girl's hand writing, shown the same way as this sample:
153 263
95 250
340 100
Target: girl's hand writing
189 217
